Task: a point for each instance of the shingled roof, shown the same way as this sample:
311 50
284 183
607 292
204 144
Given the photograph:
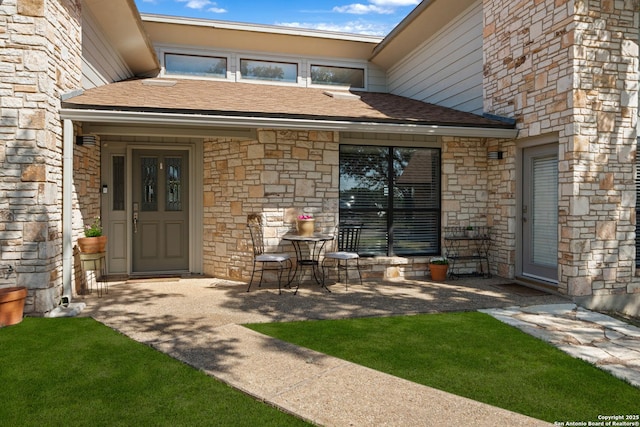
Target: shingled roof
187 96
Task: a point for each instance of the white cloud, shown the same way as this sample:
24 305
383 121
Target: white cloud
383 7
394 3
362 9
207 5
195 4
353 27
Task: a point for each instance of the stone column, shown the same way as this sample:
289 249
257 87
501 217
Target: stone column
39 60
598 174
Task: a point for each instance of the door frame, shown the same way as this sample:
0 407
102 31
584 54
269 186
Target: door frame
522 145
195 200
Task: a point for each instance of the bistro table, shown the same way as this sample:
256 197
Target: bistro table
308 259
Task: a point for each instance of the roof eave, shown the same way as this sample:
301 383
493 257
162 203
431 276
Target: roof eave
121 23
203 120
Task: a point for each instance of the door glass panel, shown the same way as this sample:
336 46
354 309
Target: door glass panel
174 184
149 175
118 183
545 210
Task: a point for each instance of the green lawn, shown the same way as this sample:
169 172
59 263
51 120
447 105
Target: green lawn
78 372
473 355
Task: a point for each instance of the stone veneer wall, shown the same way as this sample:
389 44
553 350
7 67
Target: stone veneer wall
279 174
39 60
570 68
465 193
599 176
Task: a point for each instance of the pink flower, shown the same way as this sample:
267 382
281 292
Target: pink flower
305 217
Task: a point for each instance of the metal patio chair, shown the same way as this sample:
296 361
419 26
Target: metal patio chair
263 260
347 250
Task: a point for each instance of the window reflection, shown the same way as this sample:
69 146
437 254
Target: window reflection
149 183
174 184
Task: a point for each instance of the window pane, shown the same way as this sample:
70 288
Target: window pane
373 237
118 183
207 66
364 173
343 76
149 184
266 70
174 184
417 177
416 233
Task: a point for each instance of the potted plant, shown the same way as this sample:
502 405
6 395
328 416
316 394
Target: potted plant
306 225
12 305
93 242
438 266
470 232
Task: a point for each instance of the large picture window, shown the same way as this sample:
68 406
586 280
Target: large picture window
395 193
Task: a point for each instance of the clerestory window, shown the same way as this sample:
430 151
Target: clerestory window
191 65
340 76
251 69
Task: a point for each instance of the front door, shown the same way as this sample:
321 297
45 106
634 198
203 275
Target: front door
160 211
540 213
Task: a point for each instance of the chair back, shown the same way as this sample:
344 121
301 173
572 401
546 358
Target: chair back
349 237
254 223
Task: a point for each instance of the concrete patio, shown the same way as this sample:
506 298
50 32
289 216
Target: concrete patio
197 320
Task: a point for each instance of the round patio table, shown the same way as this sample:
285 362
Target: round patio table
310 258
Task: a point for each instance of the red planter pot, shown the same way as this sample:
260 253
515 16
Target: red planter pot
12 305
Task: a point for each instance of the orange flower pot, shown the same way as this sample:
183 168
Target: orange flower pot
12 305
438 271
92 245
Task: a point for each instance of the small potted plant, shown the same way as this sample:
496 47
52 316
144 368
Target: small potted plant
305 224
469 231
438 266
93 242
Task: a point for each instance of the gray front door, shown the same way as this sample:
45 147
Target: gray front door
540 213
160 211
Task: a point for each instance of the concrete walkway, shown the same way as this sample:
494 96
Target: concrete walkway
197 321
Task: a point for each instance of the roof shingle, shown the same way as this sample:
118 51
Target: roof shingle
268 100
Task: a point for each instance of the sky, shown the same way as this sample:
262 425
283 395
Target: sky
371 17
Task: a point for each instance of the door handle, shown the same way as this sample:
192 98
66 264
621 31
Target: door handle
135 222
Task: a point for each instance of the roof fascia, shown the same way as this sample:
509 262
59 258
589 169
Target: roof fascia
217 121
423 22
122 25
260 28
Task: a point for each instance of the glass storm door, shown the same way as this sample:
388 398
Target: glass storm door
160 211
540 213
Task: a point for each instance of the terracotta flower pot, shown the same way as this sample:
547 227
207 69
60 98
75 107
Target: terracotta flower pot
92 245
306 227
12 305
438 271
